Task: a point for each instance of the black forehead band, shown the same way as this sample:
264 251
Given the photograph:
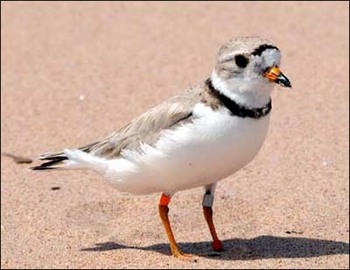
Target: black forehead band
263 47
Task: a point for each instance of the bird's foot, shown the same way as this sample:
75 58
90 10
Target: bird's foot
184 256
217 245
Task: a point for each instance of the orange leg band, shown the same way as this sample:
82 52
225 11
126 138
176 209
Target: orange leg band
164 199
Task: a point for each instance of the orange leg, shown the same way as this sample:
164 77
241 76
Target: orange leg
208 214
163 213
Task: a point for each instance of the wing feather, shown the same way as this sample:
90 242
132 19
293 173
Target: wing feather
145 129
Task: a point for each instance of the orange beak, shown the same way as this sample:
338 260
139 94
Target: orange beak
275 75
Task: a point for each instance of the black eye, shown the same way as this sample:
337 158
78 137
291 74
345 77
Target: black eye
241 61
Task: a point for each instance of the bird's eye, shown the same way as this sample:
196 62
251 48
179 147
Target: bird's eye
241 61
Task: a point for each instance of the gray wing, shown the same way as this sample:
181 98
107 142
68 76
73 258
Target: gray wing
147 127
144 129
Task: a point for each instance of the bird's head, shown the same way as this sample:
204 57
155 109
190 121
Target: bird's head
247 68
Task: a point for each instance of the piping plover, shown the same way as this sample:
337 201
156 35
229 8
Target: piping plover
194 139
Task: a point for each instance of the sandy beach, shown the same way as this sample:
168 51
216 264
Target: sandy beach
72 73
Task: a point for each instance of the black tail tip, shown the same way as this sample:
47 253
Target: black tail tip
50 164
40 168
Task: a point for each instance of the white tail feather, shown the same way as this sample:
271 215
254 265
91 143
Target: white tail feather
80 159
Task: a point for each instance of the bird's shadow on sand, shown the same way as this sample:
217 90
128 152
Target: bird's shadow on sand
262 247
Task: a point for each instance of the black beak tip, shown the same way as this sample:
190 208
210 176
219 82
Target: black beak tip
283 81
289 85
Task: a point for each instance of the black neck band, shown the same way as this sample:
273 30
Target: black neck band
237 109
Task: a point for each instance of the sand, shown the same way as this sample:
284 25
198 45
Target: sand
72 73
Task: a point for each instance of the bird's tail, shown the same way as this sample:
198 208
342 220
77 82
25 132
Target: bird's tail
72 159
52 161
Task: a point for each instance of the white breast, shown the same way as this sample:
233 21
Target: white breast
214 146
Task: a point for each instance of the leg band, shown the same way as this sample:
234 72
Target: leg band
164 199
208 200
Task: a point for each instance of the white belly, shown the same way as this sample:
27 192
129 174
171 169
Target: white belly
212 147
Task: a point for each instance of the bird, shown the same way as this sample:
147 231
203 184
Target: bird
194 139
